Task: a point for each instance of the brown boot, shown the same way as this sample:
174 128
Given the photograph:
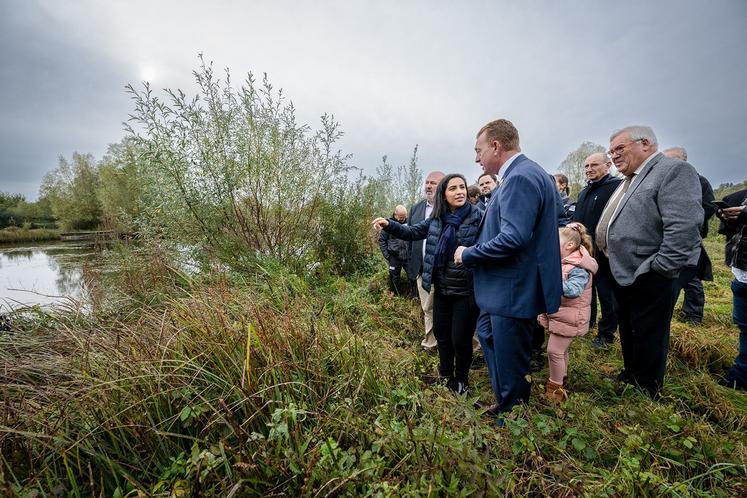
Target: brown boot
555 392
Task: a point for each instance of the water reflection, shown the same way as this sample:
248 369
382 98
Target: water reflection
42 273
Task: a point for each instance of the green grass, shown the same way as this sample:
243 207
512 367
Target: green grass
13 234
274 385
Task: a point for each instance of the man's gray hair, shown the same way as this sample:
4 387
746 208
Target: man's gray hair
680 152
637 133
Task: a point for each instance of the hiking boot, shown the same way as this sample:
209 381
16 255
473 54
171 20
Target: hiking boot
555 392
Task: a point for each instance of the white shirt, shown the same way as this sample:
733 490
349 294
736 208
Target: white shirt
740 275
619 192
504 168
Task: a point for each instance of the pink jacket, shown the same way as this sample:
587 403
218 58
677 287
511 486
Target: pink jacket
572 319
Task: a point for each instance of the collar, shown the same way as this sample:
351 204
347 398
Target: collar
645 163
504 168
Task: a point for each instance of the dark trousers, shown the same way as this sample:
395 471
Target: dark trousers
538 338
414 288
644 312
454 319
601 288
694 309
694 303
506 344
395 268
738 372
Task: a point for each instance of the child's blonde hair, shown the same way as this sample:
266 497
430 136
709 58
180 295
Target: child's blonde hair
576 233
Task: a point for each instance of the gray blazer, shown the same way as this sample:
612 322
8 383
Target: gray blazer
657 224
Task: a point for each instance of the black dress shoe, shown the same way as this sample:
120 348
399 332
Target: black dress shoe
600 343
490 410
457 386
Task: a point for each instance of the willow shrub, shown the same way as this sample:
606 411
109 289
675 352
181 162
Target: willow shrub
231 170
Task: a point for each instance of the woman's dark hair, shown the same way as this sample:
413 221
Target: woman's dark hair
560 177
440 207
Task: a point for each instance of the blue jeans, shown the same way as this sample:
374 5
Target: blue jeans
738 371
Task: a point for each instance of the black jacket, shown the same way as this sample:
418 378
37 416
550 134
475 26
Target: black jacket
453 279
736 232
394 248
591 202
708 208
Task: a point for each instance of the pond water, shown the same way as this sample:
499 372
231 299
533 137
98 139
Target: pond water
42 273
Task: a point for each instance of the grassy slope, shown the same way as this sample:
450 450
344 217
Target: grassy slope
273 386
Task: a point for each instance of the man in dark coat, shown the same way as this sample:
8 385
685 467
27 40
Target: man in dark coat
734 227
589 207
420 211
690 281
487 183
396 252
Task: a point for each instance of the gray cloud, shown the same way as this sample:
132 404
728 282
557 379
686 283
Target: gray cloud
395 75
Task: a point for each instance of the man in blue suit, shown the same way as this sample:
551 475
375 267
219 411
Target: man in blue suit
515 261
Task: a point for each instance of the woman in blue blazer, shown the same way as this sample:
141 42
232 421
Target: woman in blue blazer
453 222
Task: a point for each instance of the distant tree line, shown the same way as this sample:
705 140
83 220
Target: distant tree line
15 211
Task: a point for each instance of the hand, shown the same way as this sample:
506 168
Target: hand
380 223
458 254
731 213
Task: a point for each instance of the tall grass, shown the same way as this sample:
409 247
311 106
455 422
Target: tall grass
13 234
270 384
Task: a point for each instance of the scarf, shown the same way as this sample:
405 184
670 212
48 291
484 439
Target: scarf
447 242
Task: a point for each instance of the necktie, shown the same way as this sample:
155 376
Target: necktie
609 210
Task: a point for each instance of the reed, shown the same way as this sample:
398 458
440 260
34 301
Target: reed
13 234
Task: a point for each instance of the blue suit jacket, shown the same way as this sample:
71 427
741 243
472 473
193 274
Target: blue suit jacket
516 259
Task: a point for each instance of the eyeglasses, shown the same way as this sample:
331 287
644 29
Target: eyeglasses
620 148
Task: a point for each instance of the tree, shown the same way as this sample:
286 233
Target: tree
573 166
397 187
231 170
71 191
8 202
120 185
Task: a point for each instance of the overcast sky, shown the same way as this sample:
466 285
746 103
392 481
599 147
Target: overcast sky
395 74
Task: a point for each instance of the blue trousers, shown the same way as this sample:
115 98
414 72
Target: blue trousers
738 371
507 347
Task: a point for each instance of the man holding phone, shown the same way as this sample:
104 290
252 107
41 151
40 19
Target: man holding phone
733 215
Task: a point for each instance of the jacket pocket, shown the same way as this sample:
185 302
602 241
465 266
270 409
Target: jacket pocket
645 250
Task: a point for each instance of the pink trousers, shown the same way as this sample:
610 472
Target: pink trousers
557 356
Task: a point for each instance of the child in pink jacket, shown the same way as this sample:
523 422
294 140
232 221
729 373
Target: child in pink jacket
572 319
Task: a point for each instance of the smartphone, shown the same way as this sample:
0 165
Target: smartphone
720 204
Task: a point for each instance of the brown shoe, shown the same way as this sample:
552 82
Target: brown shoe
555 392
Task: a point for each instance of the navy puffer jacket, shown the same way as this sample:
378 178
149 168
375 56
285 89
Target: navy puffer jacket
452 280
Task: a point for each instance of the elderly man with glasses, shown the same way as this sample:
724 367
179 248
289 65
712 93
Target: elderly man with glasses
649 230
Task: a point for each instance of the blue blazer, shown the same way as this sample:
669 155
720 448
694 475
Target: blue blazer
516 259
